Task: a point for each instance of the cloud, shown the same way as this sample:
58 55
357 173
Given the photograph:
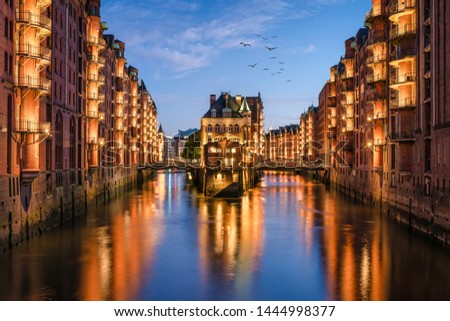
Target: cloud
311 48
187 35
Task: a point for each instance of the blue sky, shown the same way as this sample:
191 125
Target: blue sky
187 50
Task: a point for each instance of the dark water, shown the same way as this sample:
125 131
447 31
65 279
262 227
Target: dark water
289 239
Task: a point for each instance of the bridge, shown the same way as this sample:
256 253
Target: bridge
265 165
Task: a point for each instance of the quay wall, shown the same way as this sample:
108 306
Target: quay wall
29 210
408 204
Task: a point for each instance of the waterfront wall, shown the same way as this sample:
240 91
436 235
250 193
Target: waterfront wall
31 209
424 211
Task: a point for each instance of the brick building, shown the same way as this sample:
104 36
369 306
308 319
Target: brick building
67 93
389 95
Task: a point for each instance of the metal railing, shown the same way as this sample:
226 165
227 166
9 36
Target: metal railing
404 30
403 103
39 52
38 21
30 126
37 83
403 78
402 5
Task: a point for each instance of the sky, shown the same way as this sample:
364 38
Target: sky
187 50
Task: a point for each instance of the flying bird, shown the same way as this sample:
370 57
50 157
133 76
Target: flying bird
281 62
245 44
274 37
264 38
271 48
266 69
253 66
258 35
289 80
273 57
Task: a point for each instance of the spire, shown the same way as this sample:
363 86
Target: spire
244 107
160 129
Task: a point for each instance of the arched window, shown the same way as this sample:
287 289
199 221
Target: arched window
230 129
72 143
209 129
217 129
236 128
224 128
59 141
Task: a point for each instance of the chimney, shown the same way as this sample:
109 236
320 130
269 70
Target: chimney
239 99
212 100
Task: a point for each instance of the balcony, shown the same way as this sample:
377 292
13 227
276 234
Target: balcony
406 136
405 55
40 22
373 79
401 8
92 41
379 142
35 52
399 32
375 97
404 103
101 61
378 115
43 4
90 114
92 140
92 96
373 14
332 101
93 59
119 114
32 127
35 83
376 59
376 38
404 79
92 78
347 75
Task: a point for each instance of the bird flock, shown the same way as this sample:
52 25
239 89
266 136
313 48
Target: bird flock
279 69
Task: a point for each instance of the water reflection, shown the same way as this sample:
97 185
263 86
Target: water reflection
231 235
289 239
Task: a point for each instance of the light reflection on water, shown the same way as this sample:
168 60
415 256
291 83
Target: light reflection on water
289 239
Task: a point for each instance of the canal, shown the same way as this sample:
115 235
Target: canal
288 239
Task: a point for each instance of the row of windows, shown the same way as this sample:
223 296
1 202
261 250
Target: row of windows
10 2
223 129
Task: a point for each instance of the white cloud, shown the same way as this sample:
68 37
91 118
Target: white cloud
311 48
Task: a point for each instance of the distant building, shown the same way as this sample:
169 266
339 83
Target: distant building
180 140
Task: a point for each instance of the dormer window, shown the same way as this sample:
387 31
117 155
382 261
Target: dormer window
213 113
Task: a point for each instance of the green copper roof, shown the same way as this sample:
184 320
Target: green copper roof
244 107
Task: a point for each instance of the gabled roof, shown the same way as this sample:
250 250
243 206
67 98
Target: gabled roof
221 103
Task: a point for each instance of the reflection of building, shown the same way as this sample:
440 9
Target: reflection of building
237 119
231 246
